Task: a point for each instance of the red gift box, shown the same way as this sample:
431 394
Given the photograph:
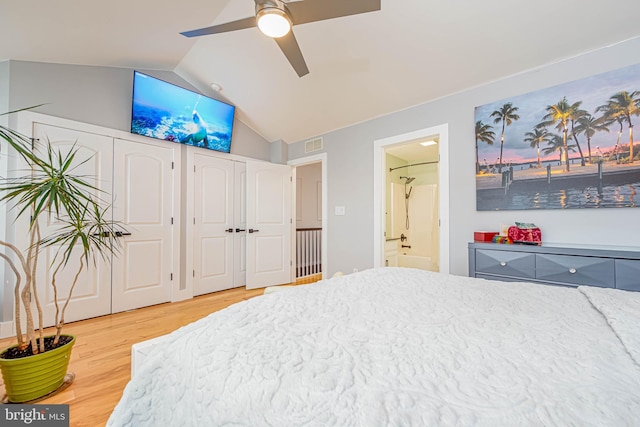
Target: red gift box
531 235
484 236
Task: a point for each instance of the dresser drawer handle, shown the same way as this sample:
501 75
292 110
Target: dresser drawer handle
572 270
503 263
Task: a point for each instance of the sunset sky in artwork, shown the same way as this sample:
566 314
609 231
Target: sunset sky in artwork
592 91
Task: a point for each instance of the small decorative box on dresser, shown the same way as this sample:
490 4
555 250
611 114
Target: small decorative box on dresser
555 264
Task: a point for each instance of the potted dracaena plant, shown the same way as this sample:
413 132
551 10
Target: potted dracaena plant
48 189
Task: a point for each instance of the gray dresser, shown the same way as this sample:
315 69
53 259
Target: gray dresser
555 264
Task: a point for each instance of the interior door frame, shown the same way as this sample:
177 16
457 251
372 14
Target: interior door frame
302 161
380 189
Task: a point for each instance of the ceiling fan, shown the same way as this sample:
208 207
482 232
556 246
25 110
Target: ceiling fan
275 19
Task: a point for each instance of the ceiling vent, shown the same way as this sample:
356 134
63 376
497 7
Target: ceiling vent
313 145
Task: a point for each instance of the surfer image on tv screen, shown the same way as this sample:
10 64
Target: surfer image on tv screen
198 132
165 111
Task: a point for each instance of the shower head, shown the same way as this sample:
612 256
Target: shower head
408 178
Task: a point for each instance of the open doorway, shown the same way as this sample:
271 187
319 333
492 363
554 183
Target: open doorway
310 194
411 205
416 174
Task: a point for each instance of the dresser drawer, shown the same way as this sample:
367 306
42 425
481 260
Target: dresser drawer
504 263
575 270
628 274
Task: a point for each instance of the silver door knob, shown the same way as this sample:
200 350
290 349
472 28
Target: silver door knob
503 263
572 270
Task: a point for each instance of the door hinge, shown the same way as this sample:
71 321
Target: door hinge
194 219
171 277
194 168
194 273
171 220
171 165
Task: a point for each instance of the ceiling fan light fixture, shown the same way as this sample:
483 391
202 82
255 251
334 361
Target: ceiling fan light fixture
273 22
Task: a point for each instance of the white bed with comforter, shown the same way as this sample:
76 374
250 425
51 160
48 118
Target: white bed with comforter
399 347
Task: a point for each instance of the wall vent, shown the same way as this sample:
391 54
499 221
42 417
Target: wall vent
313 145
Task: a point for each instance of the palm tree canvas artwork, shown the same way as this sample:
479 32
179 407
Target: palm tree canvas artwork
563 147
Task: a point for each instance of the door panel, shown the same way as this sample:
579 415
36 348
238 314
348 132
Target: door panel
213 217
269 215
211 266
268 250
142 253
92 292
143 202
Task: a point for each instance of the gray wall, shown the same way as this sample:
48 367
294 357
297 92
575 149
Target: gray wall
4 86
350 169
279 152
102 96
6 296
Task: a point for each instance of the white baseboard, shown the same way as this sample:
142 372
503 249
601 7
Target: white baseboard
7 329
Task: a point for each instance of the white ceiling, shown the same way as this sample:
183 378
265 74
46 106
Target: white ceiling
361 67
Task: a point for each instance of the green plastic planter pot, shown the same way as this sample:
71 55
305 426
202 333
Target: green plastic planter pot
32 377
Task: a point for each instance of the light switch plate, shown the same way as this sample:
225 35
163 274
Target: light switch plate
340 210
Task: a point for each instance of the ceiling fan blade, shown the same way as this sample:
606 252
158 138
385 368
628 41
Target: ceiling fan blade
319 10
289 46
223 28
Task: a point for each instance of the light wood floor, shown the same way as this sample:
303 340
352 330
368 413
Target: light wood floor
101 357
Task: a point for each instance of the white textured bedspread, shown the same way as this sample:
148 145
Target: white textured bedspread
399 347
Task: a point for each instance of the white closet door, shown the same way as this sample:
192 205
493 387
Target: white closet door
143 203
213 231
240 224
269 224
92 293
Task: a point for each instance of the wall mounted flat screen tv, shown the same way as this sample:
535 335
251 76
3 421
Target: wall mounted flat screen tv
165 111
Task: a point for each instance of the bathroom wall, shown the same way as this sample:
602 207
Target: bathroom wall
422 233
392 214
